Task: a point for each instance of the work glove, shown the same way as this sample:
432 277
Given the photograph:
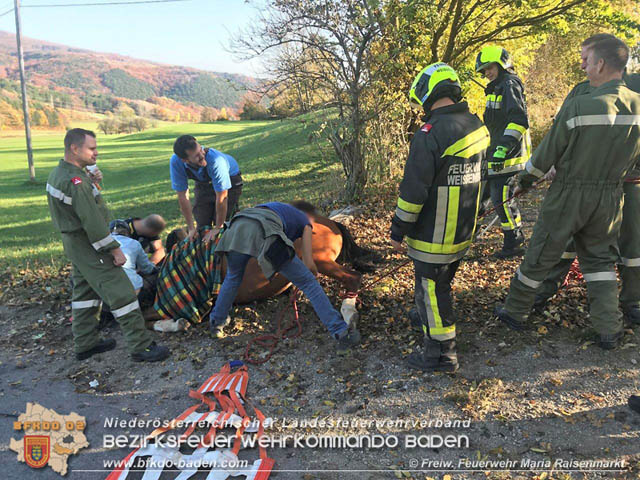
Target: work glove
521 182
497 162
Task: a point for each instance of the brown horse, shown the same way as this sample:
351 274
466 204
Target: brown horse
331 243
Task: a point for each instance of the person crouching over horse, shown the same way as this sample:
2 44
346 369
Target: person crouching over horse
267 233
438 206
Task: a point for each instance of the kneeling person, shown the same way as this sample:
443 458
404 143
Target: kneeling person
267 233
137 263
147 231
438 206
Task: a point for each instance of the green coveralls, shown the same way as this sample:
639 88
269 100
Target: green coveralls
80 215
629 239
594 142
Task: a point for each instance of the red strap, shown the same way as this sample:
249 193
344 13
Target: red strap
115 475
266 465
173 422
207 401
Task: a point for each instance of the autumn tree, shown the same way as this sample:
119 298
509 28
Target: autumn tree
208 115
38 119
543 37
325 44
253 111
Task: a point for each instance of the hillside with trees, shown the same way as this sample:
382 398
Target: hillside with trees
67 83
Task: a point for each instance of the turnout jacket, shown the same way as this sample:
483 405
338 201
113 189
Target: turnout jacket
506 118
440 191
594 140
76 205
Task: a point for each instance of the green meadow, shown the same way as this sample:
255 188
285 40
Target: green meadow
279 161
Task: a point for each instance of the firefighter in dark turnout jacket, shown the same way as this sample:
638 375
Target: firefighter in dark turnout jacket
438 206
593 144
506 118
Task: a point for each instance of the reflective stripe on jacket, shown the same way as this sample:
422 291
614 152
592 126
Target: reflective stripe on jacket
594 140
439 193
632 81
506 118
76 205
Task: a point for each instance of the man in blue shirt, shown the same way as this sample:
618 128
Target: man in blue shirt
218 184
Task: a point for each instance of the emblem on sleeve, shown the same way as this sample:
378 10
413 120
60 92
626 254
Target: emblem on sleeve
426 128
76 180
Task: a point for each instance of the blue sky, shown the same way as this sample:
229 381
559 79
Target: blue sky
192 33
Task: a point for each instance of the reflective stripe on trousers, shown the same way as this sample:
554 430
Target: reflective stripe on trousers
433 299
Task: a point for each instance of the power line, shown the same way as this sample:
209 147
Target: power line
6 13
135 2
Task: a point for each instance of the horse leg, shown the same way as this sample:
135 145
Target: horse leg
350 279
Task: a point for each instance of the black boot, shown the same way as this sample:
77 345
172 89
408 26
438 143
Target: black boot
436 357
416 321
348 340
511 322
634 403
540 304
632 314
512 246
153 353
104 345
611 340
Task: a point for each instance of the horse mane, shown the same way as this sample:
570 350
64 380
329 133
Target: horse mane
175 237
351 252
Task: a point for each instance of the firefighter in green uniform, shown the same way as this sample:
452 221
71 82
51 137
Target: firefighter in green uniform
593 143
506 118
80 215
629 239
438 206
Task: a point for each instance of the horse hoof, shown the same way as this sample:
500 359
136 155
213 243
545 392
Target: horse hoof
349 312
170 326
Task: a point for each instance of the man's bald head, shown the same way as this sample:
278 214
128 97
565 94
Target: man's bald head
153 224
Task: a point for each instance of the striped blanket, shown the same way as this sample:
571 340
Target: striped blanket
189 278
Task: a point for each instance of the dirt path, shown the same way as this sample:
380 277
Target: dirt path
545 395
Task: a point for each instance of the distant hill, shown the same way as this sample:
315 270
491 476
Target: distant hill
62 77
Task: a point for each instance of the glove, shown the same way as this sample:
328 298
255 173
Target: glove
521 182
497 163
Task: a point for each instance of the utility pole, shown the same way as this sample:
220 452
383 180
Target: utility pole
25 103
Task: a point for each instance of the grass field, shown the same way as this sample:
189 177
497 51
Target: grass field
279 161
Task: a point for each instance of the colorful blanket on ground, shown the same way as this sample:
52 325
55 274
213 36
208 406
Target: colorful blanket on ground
188 280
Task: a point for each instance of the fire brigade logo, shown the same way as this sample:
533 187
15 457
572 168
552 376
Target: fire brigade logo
76 180
36 450
49 438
